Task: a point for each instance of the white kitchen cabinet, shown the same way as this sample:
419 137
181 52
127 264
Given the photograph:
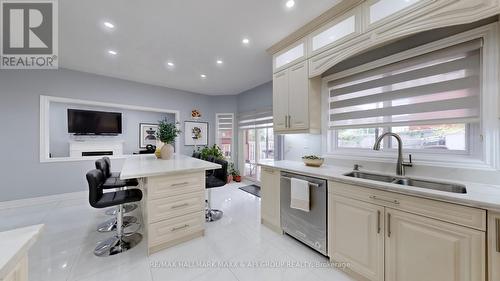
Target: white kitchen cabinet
280 100
419 248
296 101
381 10
394 237
356 235
289 56
337 31
298 97
270 198
494 246
377 22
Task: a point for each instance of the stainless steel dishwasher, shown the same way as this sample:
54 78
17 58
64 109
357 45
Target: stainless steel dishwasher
307 227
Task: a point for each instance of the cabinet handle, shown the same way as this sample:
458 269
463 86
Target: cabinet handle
378 222
180 184
389 225
180 227
393 201
289 121
180 206
497 227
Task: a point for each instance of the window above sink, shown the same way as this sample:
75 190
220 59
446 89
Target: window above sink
433 96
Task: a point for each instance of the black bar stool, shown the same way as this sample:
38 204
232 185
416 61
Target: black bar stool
217 178
118 243
114 182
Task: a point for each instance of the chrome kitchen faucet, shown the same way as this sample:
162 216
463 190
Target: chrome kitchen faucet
400 168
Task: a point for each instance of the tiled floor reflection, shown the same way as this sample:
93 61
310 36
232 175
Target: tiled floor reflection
229 251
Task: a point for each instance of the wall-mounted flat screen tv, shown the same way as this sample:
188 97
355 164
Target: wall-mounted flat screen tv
85 122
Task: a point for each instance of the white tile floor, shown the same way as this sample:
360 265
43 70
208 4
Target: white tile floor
64 250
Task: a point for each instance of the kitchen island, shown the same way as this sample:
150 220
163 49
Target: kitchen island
173 205
14 245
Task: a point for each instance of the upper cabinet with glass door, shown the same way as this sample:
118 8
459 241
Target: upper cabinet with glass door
380 12
291 55
335 32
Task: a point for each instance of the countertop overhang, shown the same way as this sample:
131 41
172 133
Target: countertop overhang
143 166
478 195
14 245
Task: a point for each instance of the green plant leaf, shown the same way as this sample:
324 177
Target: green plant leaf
167 131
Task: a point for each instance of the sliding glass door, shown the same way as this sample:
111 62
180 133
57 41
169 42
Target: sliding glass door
258 145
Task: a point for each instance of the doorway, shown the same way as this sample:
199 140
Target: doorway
258 145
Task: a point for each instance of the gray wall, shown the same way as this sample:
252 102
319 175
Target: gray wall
60 138
20 92
257 98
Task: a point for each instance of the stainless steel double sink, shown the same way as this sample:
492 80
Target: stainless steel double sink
434 185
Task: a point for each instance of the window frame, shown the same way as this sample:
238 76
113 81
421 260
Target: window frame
469 143
483 151
217 129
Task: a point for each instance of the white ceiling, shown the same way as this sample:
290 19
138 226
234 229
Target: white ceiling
191 33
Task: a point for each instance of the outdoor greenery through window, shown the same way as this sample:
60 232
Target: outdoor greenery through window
431 137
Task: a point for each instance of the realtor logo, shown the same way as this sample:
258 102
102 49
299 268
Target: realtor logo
28 34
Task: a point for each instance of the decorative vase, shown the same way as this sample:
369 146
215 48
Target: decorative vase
229 179
158 153
167 151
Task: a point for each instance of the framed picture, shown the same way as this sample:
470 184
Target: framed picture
147 134
195 133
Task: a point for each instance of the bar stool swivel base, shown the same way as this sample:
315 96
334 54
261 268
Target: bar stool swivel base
115 245
110 224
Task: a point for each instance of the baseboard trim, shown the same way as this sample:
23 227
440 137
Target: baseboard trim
42 200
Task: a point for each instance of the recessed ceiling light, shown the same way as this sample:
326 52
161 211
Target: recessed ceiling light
290 3
112 52
203 76
171 64
220 62
245 41
109 25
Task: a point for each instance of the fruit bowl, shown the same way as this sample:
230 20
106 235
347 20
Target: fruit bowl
313 160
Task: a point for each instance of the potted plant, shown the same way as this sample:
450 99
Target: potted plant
236 175
213 151
167 133
230 169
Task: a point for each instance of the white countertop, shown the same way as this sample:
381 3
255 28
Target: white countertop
147 165
14 245
478 195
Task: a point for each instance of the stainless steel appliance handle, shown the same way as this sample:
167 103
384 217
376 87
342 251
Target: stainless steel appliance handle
310 183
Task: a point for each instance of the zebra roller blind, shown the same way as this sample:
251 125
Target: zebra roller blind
256 119
441 87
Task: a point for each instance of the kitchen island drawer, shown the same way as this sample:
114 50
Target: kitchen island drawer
174 230
166 186
175 206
